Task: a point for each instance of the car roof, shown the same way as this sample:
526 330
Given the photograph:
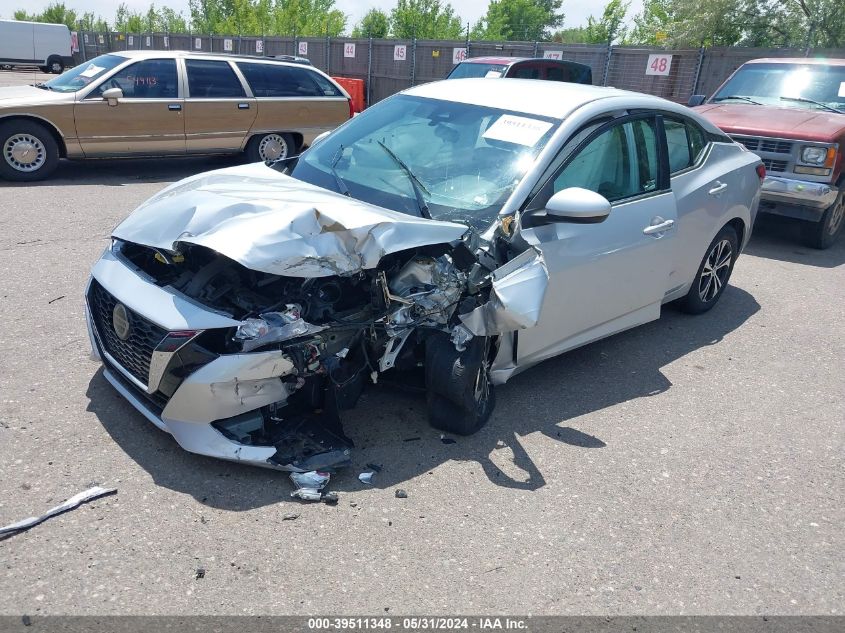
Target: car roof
554 99
820 61
510 61
146 54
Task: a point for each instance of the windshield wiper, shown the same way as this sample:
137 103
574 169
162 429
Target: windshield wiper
740 97
341 186
818 103
416 185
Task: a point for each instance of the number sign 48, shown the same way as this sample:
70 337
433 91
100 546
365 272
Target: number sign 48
658 65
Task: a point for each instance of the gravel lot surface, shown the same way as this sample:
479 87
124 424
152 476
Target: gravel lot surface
693 465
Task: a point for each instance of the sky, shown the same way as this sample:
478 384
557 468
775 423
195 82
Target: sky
576 11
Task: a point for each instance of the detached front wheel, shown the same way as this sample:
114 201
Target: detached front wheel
460 395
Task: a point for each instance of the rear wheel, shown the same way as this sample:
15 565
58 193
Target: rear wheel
270 146
55 65
29 151
823 234
713 273
460 396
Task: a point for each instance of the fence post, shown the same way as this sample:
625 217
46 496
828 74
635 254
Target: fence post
697 71
369 68
607 64
328 52
414 62
83 43
467 45
536 48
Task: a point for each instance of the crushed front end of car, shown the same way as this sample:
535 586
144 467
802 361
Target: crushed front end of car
243 310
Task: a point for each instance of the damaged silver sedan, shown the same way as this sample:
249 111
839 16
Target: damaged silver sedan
454 230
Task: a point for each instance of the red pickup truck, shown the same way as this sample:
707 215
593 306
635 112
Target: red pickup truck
791 112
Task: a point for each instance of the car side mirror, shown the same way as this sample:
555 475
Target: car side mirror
696 100
112 95
577 205
320 137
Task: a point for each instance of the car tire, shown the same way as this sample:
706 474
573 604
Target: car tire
270 146
459 394
18 140
713 273
55 65
823 234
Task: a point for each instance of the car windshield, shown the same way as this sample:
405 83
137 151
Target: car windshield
80 76
470 70
447 160
789 85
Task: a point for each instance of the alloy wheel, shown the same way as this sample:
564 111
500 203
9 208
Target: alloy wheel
24 152
714 274
836 215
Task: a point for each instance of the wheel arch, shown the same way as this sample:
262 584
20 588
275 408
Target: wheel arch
57 136
738 225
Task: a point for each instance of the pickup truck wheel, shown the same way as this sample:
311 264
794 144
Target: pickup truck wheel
823 234
713 273
29 151
268 147
460 396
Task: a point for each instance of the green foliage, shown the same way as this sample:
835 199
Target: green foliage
610 26
525 20
55 13
426 20
375 24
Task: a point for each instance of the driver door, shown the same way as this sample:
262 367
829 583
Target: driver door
147 121
612 275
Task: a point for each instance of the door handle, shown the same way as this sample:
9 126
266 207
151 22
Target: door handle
243 106
174 107
719 188
661 227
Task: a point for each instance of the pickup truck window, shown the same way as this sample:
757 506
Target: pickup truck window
811 86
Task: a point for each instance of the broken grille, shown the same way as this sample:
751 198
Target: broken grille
135 352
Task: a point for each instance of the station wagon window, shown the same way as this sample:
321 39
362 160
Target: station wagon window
686 143
525 72
148 79
277 80
619 163
211 79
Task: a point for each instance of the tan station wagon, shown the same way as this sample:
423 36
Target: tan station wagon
166 103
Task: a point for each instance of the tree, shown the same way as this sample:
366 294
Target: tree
525 20
609 27
425 19
55 13
375 24
653 25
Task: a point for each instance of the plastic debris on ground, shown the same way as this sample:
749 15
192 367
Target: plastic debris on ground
401 494
309 485
366 478
70 504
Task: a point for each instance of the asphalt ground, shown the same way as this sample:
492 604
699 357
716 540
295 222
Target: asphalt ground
690 466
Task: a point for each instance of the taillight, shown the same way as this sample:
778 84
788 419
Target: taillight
761 171
351 108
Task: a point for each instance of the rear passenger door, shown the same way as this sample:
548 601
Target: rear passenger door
295 99
218 111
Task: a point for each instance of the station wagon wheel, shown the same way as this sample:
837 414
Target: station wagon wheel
823 234
269 147
29 151
713 272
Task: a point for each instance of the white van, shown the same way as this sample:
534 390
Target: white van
36 43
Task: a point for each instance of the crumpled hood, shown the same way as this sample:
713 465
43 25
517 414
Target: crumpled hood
276 224
792 123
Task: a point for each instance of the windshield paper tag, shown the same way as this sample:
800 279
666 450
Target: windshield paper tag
493 73
841 89
517 129
92 71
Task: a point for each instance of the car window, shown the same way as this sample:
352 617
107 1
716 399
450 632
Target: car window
148 79
558 73
525 72
276 80
619 163
212 79
685 142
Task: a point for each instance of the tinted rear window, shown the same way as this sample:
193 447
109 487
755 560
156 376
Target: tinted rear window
570 72
211 79
276 80
466 70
